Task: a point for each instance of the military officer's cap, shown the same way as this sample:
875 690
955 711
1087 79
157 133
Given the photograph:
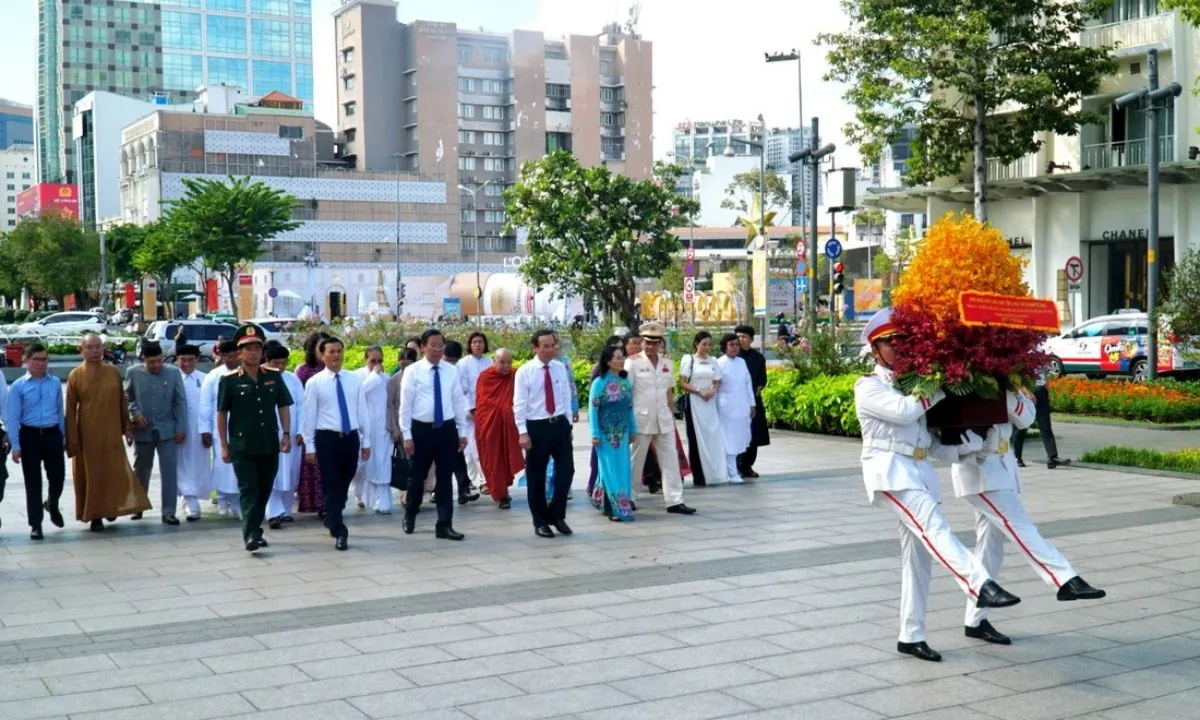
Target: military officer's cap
249 333
879 327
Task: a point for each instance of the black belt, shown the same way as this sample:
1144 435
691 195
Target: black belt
40 430
339 433
422 423
549 420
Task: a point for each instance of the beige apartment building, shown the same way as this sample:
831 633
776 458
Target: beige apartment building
436 99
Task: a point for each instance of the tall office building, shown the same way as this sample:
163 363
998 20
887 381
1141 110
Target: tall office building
487 103
163 49
16 172
16 124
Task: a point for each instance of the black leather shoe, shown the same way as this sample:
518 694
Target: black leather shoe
506 503
137 516
1057 462
287 518
992 595
1077 589
681 509
410 524
262 542
342 543
464 499
543 531
919 650
275 523
97 525
449 534
749 473
563 528
170 520
56 518
251 545
1020 462
987 633
193 518
36 533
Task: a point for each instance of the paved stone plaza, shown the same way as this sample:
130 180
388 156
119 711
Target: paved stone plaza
777 601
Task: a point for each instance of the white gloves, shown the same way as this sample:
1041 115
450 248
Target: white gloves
971 443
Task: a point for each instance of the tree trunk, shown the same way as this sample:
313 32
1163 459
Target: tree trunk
623 304
980 160
231 278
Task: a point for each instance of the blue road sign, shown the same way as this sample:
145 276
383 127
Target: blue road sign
801 267
801 284
833 249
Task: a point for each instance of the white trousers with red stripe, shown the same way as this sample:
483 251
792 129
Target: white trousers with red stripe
1000 514
924 535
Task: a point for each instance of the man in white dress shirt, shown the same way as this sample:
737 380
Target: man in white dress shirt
653 378
193 459
224 481
899 477
541 406
336 431
432 410
287 478
990 481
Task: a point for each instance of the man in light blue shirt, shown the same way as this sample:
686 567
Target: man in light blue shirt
33 416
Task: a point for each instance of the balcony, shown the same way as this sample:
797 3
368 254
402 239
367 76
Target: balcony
1127 153
490 243
1129 34
1025 167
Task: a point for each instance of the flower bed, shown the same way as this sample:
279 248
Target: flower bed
823 404
1178 461
1160 402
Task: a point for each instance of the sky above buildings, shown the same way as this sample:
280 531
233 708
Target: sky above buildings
708 55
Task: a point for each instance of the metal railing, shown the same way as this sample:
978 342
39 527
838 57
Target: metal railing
1128 33
1024 167
1128 153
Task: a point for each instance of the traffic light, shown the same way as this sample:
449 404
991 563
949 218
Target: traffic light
839 280
403 290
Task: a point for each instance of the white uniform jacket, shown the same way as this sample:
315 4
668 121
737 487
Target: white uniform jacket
994 467
897 446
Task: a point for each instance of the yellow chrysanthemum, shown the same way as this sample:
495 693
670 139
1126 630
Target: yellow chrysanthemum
958 253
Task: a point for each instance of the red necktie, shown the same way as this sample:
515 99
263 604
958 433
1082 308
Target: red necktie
549 392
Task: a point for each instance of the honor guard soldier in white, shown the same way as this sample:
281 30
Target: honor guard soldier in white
899 476
990 481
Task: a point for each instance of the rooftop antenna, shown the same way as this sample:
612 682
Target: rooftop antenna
635 12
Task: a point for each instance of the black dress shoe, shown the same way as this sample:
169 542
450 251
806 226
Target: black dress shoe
992 595
1056 462
193 518
1077 589
749 472
36 533
97 525
632 507
137 516
287 518
112 519
275 523
681 509
251 545
409 524
1020 462
342 543
262 542
563 528
56 517
464 499
170 520
543 531
987 633
506 503
448 534
919 650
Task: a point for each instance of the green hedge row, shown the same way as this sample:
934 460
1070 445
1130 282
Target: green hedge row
1178 461
824 404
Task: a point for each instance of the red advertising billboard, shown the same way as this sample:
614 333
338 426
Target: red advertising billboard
49 197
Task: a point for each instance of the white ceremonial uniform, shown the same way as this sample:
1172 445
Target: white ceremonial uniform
374 477
193 466
898 474
468 374
287 478
224 481
990 481
653 392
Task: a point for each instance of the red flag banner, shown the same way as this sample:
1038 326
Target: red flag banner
210 294
130 295
1021 313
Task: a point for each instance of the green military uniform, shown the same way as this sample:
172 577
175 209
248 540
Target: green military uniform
252 430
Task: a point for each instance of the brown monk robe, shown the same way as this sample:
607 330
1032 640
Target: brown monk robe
97 416
500 453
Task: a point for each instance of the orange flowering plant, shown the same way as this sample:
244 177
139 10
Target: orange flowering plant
935 348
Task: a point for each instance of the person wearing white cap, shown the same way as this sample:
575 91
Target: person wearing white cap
898 474
989 480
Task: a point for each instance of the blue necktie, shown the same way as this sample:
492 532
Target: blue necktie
343 408
438 416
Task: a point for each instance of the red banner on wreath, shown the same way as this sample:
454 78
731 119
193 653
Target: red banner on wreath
1021 313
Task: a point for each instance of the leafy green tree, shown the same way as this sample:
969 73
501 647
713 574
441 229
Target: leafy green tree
1183 307
121 242
161 253
227 222
671 278
52 256
592 232
978 79
744 189
1189 10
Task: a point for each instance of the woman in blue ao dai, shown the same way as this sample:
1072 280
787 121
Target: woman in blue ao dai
610 412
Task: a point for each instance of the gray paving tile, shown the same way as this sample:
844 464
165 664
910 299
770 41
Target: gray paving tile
26 689
1064 701
552 704
806 688
280 656
926 696
434 697
496 645
613 647
565 676
686 682
510 665
215 648
340 688
210 708
810 661
392 660
830 709
1167 707
216 684
417 638
700 706
1151 653
321 711
107 679
56 705
1155 681
713 654
707 633
1048 673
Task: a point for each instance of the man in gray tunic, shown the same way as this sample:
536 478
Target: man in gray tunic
158 406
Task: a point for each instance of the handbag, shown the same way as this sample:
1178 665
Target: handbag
683 399
401 470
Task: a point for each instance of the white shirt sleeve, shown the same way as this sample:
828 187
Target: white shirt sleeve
458 399
308 419
521 400
408 392
364 417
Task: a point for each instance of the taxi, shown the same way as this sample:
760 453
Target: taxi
1113 345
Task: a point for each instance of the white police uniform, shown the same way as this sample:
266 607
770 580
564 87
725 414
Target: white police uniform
990 481
898 474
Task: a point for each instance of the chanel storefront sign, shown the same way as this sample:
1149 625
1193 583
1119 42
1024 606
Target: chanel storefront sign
1131 234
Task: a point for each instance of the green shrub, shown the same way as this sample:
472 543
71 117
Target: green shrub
821 404
1161 402
1178 461
6 315
20 316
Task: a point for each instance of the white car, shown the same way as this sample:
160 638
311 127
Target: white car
1112 345
65 323
276 328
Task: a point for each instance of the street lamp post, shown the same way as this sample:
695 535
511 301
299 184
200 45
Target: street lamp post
399 285
475 230
762 211
812 156
797 192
